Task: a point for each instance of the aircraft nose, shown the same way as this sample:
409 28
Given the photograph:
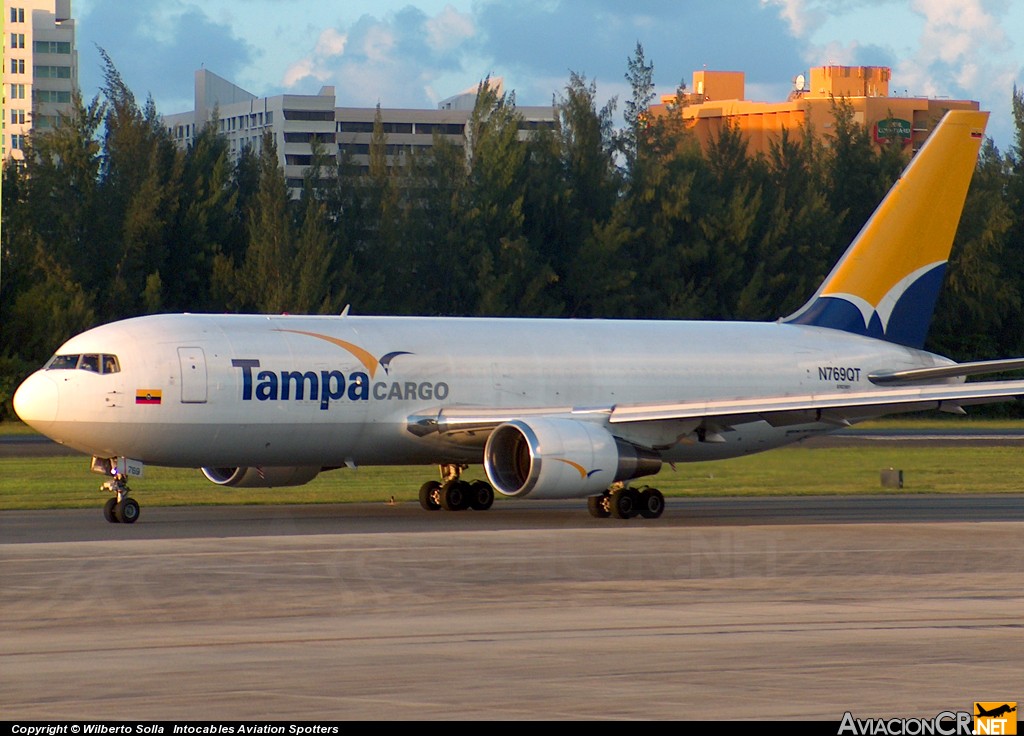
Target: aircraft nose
35 401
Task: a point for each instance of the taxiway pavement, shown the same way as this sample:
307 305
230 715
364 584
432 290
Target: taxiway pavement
885 606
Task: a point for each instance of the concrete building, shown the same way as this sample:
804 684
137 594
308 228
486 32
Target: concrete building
40 69
296 121
243 118
717 98
411 130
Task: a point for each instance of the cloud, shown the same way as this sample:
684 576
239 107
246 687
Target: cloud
964 52
156 47
596 37
958 40
449 30
331 43
393 60
402 57
318 65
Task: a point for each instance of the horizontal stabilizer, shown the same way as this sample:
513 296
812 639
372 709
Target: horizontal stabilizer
831 407
977 368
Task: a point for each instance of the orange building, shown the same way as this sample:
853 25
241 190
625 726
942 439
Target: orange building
717 98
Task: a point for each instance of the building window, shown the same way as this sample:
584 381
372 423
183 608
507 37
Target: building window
308 137
52 95
52 72
17 66
441 128
52 47
17 91
17 141
346 126
354 149
17 40
309 115
17 117
17 15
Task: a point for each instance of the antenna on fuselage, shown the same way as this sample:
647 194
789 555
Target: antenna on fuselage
344 312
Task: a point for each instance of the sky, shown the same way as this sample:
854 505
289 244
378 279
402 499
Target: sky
413 53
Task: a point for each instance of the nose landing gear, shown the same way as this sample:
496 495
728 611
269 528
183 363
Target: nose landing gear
119 509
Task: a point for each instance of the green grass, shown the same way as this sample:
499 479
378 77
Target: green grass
947 422
65 482
7 428
841 470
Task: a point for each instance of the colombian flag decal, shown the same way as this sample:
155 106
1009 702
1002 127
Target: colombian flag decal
148 395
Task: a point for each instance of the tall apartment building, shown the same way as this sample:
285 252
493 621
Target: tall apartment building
717 98
296 121
40 69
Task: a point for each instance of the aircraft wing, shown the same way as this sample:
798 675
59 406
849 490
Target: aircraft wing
470 426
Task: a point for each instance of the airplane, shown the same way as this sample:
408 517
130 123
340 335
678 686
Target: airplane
1001 710
552 408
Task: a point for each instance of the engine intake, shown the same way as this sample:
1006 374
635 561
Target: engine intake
561 458
273 477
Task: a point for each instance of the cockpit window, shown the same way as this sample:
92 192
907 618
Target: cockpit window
92 362
62 362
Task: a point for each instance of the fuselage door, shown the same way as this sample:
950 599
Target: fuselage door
193 375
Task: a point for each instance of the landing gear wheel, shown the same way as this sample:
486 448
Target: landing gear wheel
652 503
455 495
430 495
108 511
625 503
481 495
600 506
127 510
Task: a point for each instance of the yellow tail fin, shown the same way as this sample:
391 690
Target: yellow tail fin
886 283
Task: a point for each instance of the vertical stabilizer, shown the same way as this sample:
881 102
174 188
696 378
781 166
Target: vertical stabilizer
887 282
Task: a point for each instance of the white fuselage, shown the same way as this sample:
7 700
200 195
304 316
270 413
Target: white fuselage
330 391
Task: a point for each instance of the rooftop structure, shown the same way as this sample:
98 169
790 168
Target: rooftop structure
717 99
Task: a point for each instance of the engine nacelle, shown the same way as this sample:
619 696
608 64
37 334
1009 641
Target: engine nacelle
274 477
561 458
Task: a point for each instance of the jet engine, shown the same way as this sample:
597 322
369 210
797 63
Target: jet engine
273 477
561 458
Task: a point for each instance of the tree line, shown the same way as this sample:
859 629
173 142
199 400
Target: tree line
108 219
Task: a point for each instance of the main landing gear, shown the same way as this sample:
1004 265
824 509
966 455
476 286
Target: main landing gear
119 509
626 503
452 493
